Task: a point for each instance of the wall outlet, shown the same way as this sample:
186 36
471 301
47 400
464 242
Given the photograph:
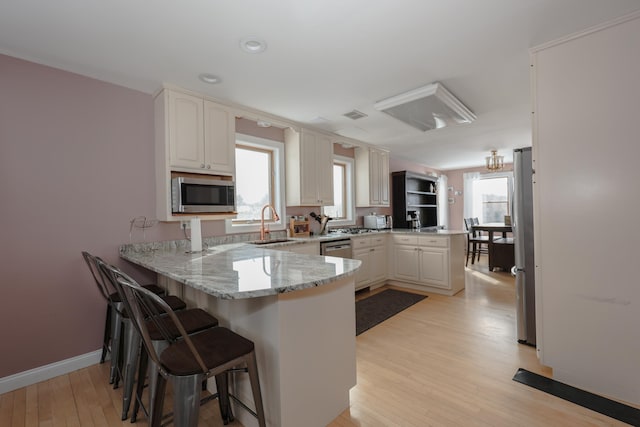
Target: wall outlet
185 225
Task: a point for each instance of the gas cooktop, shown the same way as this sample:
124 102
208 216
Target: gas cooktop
351 230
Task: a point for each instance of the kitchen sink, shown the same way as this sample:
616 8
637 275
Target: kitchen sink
266 242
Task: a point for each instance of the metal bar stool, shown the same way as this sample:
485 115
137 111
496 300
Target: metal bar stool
125 343
112 327
194 320
189 361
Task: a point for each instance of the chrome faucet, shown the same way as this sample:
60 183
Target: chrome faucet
263 229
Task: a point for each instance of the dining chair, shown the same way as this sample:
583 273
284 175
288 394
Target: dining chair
188 361
475 242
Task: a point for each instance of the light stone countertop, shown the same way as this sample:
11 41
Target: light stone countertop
232 268
239 270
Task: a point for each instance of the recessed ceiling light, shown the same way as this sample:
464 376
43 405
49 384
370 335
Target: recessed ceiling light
209 78
253 44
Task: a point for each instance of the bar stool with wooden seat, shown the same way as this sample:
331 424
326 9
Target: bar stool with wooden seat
194 320
112 327
125 344
189 361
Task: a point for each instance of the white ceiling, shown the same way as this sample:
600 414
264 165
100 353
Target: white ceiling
324 57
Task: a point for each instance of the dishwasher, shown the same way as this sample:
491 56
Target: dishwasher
338 248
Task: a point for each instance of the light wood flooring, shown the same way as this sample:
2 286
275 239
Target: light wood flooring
446 361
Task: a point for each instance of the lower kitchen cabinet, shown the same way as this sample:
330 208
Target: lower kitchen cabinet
310 248
372 251
434 266
429 262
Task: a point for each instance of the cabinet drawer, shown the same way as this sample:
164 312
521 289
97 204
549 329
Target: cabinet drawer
360 242
378 240
405 239
432 241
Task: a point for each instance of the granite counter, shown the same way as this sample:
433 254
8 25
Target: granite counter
299 310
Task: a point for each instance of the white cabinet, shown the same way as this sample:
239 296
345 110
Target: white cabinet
309 168
434 266
372 177
372 252
435 262
405 258
309 248
192 135
200 134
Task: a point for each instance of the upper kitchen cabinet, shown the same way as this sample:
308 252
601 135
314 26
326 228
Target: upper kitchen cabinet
197 134
192 135
372 177
309 168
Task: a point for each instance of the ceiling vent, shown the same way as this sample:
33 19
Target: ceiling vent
355 115
426 108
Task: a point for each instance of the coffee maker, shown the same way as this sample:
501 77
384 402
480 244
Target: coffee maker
414 220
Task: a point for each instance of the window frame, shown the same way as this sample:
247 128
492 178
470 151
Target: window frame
509 202
349 192
233 226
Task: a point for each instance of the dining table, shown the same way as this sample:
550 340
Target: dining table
501 251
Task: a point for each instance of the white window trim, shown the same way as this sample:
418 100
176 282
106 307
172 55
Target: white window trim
278 185
509 176
350 209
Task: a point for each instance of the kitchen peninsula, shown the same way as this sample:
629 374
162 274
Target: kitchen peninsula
299 310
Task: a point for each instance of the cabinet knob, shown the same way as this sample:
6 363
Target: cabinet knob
208 166
202 165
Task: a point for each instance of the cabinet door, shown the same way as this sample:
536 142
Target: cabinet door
383 178
405 259
219 139
186 131
308 168
434 267
378 263
379 179
316 169
372 177
362 276
324 171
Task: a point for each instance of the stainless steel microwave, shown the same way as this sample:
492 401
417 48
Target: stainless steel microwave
202 195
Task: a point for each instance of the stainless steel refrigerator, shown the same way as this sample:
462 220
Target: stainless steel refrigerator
522 225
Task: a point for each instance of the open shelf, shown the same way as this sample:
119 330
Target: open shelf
414 192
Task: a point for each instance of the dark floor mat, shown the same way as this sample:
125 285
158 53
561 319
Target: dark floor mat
381 306
608 407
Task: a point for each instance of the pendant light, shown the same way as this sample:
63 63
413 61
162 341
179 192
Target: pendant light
495 162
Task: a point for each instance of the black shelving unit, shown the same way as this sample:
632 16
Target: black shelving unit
414 192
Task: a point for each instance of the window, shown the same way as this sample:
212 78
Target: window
343 212
492 198
259 181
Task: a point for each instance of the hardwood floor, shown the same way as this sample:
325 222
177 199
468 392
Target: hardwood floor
446 361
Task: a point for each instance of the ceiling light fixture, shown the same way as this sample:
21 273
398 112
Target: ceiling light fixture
253 44
209 78
426 108
495 162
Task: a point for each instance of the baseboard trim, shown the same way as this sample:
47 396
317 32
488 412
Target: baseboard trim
43 373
